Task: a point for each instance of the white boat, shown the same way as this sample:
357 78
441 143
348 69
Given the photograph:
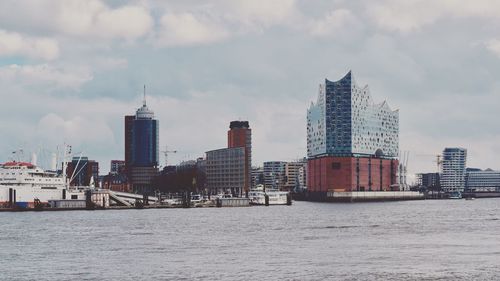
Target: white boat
455 195
275 197
22 183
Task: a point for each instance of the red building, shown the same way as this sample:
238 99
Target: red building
240 135
332 173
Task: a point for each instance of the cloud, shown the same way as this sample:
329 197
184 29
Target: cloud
77 130
93 18
78 18
411 15
260 13
188 29
15 44
203 24
45 75
493 45
334 22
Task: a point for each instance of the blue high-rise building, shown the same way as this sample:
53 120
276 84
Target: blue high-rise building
141 148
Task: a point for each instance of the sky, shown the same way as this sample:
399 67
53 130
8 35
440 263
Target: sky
71 69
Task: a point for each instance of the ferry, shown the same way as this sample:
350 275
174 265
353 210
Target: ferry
23 183
275 197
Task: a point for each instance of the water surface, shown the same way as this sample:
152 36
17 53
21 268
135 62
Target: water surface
412 240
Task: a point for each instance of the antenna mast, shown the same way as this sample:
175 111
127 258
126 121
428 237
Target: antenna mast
144 99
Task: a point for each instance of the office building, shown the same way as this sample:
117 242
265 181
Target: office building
477 180
295 175
428 180
257 176
453 169
116 182
117 166
352 142
141 148
230 169
240 135
274 175
225 170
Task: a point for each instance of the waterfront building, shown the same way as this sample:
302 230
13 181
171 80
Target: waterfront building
141 148
352 142
187 176
240 135
82 172
453 169
230 169
295 175
257 176
117 166
274 175
477 180
225 170
116 182
428 180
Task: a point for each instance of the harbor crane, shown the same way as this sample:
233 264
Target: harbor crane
439 160
166 152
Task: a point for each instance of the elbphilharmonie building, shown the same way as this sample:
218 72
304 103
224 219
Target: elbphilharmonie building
352 142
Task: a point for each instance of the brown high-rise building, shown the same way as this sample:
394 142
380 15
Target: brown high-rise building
240 135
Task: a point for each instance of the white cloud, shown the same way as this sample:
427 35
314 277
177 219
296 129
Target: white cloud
77 130
188 29
15 44
45 74
410 15
94 18
79 18
334 22
494 46
255 13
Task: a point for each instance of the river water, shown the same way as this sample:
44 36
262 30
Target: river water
412 240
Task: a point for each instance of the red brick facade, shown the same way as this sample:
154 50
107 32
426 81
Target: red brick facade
241 137
351 174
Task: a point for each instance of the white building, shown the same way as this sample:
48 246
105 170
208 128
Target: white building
477 180
295 175
453 169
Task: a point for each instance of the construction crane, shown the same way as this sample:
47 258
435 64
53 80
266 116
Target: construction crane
438 160
166 152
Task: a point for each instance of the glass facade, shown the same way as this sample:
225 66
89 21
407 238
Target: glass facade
453 169
485 181
145 143
345 121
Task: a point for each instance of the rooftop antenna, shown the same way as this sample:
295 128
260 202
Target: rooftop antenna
144 99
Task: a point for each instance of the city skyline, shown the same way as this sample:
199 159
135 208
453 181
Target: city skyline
208 64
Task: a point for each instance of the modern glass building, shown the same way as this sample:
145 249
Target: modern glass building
453 169
352 142
345 121
141 147
485 181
